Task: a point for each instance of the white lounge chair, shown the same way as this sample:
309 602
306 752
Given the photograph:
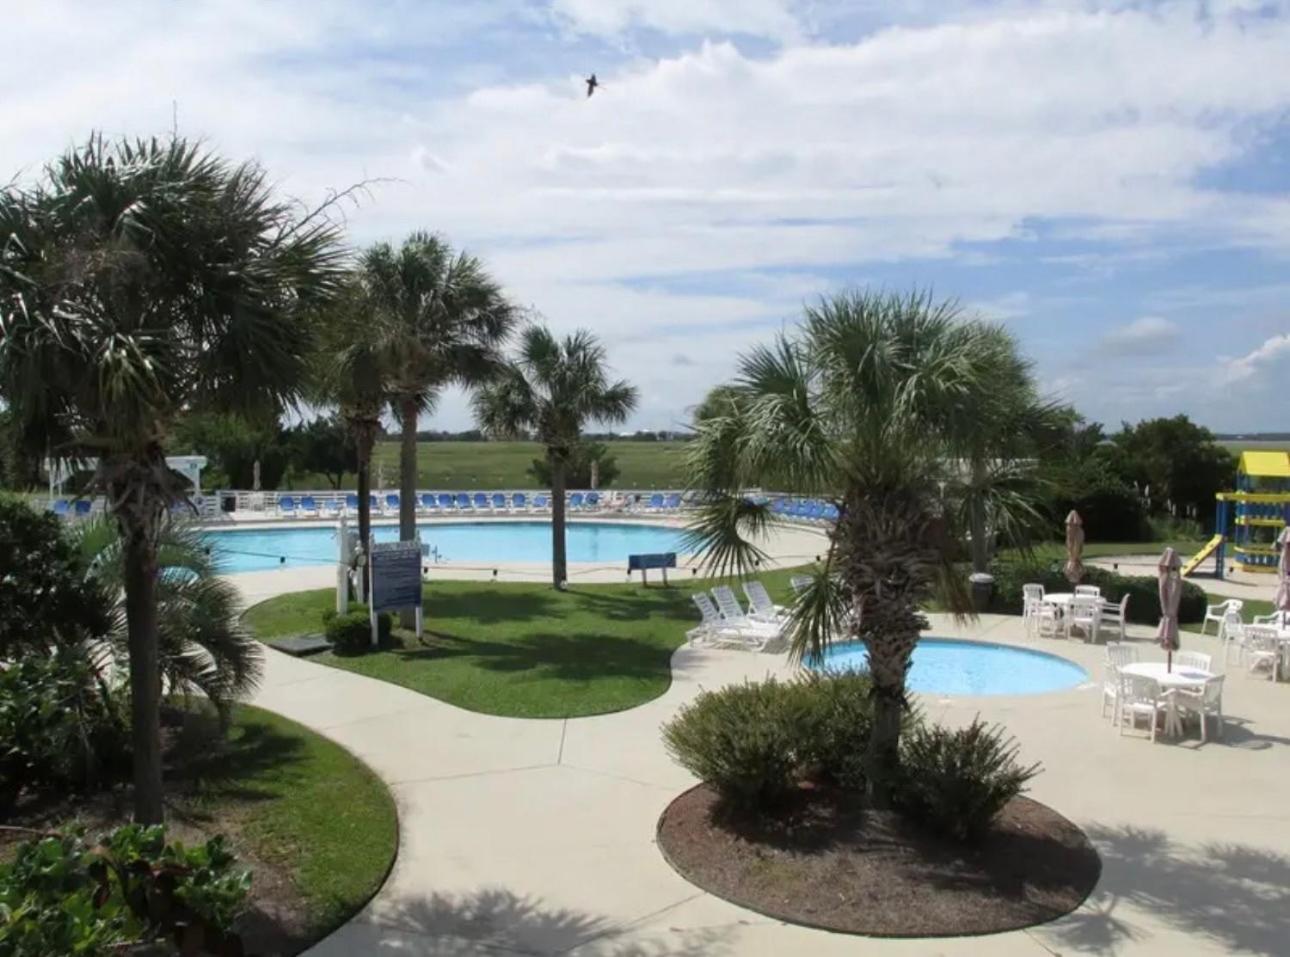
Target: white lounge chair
763 607
1217 613
800 583
1205 703
1140 697
730 608
715 630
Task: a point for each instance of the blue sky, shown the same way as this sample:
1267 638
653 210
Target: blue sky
1109 179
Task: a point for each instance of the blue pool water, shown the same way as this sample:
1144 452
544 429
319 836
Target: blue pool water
948 667
245 550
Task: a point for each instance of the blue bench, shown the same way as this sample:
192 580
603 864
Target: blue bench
643 563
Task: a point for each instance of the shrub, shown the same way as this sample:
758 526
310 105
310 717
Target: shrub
956 782
741 740
1143 591
59 727
351 633
60 896
835 718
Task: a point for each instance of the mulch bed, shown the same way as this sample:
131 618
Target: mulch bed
824 861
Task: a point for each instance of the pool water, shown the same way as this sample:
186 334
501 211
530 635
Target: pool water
244 550
945 666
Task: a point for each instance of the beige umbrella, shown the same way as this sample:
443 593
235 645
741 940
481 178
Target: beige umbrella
1074 569
1170 571
1282 601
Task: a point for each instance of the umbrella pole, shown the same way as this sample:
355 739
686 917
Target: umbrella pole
1169 661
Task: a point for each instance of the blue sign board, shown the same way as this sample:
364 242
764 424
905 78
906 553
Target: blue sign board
396 575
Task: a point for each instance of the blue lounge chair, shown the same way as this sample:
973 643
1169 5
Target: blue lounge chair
593 500
831 512
480 501
391 503
499 502
673 503
446 501
331 508
655 501
308 504
463 500
540 503
351 503
428 503
83 507
520 502
373 504
575 501
60 507
286 505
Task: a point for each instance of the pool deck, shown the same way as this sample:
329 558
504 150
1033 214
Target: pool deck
523 837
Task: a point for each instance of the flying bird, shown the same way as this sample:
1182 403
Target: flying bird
592 83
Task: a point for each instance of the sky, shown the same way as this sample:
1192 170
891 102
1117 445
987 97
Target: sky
1109 179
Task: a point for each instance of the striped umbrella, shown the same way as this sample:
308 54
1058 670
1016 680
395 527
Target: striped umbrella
1074 569
1170 571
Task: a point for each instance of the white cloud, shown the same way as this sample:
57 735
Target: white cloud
764 18
1147 335
1269 364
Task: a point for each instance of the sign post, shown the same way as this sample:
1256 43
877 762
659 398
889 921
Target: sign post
395 582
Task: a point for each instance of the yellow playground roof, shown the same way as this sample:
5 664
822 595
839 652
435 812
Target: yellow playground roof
1266 464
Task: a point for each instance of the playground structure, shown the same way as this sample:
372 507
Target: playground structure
1257 514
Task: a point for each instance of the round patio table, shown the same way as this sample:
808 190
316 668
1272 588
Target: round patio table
1188 679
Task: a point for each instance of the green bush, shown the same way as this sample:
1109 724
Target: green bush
956 782
351 633
1143 591
59 726
741 740
835 718
61 896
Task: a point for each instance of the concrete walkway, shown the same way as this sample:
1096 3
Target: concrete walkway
537 837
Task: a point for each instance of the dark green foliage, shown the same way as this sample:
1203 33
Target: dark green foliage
578 467
45 595
956 782
325 446
742 740
1143 592
62 896
234 443
59 728
1111 508
351 633
835 717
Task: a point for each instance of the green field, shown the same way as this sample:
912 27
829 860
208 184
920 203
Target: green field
1237 446
503 465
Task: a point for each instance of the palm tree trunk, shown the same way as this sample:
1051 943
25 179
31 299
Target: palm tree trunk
976 519
408 487
364 439
145 677
559 566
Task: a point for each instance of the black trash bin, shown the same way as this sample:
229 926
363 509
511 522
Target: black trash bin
982 590
228 503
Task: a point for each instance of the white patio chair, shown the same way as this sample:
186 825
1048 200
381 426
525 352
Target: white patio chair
1117 656
1204 703
1278 619
763 608
1093 591
1117 615
1049 621
1086 615
1217 613
1194 660
800 582
1262 650
1032 598
1140 697
716 630
1231 632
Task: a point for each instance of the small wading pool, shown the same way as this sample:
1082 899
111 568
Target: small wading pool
246 550
949 667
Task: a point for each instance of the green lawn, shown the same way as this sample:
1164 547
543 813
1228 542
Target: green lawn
479 465
522 650
304 805
1056 551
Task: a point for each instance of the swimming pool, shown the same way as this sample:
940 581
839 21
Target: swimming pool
949 667
245 550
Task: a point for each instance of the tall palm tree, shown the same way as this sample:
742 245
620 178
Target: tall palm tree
448 319
553 389
139 280
866 404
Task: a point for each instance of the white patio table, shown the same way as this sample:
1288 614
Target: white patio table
1188 679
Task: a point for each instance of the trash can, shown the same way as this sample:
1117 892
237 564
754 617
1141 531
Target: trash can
982 590
228 503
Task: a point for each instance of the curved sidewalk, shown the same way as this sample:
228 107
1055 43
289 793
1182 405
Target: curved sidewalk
537 837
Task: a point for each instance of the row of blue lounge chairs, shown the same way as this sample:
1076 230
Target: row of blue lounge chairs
807 510
462 502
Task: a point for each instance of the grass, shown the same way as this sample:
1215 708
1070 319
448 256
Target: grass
521 650
475 465
305 806
1056 551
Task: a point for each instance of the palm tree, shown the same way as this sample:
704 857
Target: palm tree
447 319
553 389
138 281
867 404
203 646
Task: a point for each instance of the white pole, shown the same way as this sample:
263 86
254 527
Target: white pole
342 566
371 594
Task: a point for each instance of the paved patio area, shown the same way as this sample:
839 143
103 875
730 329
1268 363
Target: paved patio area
537 837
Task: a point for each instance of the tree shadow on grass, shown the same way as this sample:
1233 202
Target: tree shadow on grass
1233 894
216 767
489 606
498 920
568 656
644 605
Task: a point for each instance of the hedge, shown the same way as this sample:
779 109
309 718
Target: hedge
1143 591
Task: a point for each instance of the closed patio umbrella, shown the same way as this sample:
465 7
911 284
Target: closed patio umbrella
1282 601
1074 569
1170 570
